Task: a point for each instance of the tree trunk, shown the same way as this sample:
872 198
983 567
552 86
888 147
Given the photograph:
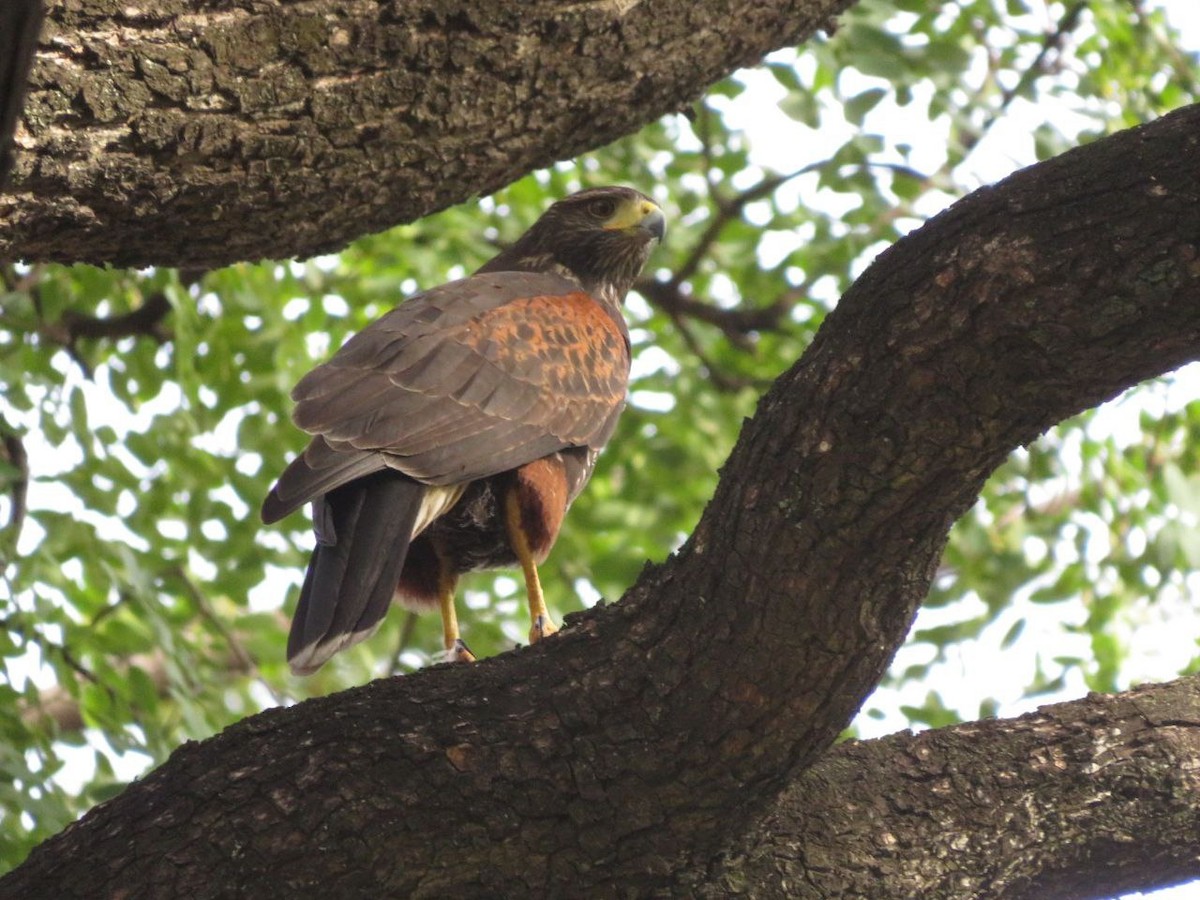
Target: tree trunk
649 740
203 132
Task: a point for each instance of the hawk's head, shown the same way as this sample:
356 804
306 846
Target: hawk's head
602 237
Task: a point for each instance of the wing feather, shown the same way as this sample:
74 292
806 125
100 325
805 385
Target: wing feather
467 380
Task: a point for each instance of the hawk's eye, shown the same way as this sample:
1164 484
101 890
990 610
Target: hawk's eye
602 208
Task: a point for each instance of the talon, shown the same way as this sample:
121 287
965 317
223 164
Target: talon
457 652
541 627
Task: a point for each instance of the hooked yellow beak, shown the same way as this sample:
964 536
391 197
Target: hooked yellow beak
639 215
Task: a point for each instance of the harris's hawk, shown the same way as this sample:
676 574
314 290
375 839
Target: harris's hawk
452 434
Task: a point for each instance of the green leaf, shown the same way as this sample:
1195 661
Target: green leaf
857 107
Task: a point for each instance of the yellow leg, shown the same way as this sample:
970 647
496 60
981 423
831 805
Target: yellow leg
456 649
540 623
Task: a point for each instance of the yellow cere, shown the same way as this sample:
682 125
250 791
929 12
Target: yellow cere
630 214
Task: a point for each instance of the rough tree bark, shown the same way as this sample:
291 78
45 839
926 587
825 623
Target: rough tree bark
1091 798
20 24
204 132
645 747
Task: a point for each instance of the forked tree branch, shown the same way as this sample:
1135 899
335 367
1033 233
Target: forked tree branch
649 737
1090 798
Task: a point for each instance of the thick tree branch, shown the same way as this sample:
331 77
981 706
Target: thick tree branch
20 21
1091 798
628 752
201 133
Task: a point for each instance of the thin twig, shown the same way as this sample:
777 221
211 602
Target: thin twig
720 380
243 660
736 323
729 209
54 331
406 633
703 131
14 454
1181 66
1051 42
146 320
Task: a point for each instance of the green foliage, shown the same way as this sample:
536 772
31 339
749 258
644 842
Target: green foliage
143 604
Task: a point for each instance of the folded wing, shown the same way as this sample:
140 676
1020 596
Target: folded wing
470 379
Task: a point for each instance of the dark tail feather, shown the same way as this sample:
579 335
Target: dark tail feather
353 571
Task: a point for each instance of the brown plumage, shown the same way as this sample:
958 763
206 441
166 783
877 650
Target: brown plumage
453 433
